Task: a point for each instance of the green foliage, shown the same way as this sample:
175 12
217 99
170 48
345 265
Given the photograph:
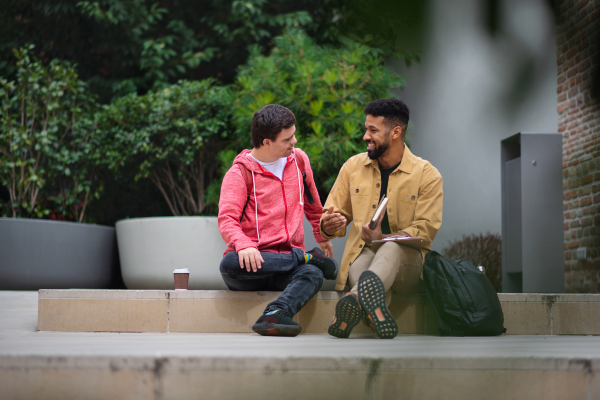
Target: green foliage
386 25
172 136
125 46
326 88
44 141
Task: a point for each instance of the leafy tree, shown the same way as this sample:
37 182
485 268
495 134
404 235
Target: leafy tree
125 46
326 88
171 136
44 141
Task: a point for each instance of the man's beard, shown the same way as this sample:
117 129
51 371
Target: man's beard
378 151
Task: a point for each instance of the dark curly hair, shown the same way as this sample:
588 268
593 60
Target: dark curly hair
268 122
393 111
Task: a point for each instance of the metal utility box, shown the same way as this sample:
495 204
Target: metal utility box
532 214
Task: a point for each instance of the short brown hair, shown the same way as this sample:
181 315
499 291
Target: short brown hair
268 122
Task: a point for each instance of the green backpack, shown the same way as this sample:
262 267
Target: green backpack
463 299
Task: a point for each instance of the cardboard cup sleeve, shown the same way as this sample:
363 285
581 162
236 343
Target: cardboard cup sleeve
182 277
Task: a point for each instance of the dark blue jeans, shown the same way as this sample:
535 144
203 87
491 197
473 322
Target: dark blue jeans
284 272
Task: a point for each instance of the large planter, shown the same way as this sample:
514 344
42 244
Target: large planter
41 254
151 248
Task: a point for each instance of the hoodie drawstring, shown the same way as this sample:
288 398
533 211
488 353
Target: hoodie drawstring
255 206
256 202
299 184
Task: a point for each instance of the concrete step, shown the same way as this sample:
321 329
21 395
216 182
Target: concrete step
308 367
234 312
160 366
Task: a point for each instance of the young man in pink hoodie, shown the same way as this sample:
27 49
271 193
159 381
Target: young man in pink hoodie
264 196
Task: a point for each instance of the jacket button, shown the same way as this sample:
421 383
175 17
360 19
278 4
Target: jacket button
356 190
377 185
360 246
412 198
374 206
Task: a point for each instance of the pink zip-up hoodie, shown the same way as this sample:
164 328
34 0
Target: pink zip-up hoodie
273 218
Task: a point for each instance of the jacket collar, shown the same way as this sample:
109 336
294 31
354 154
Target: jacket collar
406 165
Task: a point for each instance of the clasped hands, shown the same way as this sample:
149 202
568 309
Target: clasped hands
333 222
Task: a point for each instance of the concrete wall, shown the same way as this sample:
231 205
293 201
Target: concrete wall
470 91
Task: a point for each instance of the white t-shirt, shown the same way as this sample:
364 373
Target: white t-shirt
275 167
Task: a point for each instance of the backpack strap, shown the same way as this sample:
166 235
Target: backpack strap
306 189
248 180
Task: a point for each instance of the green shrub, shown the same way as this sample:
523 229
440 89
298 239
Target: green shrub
44 141
326 88
484 250
172 136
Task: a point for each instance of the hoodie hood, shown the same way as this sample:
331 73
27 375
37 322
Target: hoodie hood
245 158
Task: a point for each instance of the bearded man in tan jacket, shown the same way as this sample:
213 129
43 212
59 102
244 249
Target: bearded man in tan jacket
414 188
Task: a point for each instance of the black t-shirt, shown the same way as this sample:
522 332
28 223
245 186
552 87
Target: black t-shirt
385 177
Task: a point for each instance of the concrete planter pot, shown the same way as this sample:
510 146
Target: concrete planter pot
151 248
41 254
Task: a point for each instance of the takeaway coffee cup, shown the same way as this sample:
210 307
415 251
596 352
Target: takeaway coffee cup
182 277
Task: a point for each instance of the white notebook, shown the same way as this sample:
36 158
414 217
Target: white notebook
409 241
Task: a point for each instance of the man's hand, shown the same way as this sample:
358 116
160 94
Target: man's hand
368 235
332 222
326 248
250 258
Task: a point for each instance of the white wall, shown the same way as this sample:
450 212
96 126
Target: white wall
461 106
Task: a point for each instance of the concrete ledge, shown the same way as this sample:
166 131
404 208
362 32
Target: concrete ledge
346 377
234 312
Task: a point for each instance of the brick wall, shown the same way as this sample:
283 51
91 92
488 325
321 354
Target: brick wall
578 120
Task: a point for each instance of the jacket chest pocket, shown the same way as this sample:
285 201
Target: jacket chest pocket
360 197
405 209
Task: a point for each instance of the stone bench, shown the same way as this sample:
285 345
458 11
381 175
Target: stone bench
235 312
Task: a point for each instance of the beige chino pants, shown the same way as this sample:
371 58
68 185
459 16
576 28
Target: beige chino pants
398 267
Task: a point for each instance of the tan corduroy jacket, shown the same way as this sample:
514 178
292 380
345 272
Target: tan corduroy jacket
415 205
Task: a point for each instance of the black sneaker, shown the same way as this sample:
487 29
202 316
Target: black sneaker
328 265
276 323
371 294
347 316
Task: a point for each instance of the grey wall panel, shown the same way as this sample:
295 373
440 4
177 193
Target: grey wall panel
542 195
461 106
541 254
513 235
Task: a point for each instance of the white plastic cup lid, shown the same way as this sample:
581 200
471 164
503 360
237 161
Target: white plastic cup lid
181 271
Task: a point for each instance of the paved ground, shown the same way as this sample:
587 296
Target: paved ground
19 337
